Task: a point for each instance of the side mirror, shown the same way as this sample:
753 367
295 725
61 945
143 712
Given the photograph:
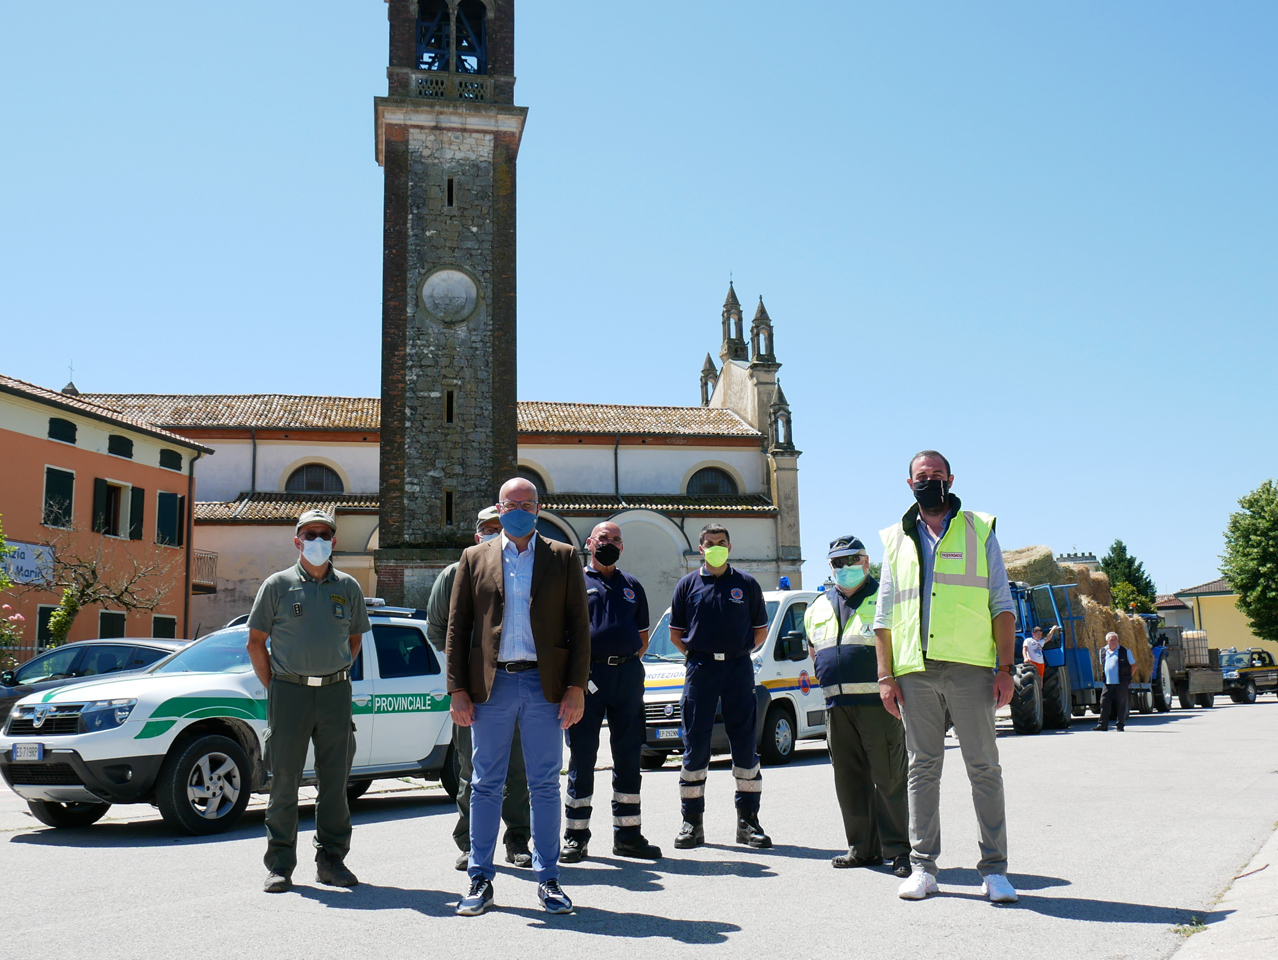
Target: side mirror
795 646
8 679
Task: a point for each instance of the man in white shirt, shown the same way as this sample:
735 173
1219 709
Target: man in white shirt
1116 668
1033 645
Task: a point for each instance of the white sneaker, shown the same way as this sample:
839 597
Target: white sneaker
999 889
918 885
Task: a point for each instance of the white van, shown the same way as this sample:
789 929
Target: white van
791 707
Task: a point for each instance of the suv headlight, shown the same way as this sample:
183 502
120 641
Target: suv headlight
105 714
1232 675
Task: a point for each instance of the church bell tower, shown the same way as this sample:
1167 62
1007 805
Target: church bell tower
448 136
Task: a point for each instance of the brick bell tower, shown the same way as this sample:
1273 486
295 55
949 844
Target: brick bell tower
447 137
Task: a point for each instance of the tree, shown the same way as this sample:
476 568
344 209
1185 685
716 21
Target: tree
1125 597
1250 560
1122 567
91 573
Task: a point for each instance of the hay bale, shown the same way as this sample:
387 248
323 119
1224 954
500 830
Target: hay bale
1133 635
1100 588
1036 566
1084 578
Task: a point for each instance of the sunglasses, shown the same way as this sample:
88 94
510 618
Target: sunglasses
315 535
847 561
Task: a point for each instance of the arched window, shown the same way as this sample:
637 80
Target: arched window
434 26
712 482
314 478
472 37
533 477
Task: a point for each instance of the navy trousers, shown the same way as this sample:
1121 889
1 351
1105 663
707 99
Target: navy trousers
708 683
619 697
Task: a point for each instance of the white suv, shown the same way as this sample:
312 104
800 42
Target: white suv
187 734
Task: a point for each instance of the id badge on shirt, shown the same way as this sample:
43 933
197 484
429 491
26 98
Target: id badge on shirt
339 611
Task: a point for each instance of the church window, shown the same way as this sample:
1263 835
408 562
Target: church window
533 477
448 508
712 482
450 405
472 37
450 191
434 27
314 478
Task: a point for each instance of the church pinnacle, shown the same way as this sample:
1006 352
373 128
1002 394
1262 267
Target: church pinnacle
734 345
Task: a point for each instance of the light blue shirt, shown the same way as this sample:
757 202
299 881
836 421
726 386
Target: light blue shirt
1000 590
516 622
1109 659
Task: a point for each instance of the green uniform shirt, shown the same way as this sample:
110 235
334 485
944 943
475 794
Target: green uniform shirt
310 622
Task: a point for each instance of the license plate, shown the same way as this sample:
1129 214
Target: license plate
668 733
28 751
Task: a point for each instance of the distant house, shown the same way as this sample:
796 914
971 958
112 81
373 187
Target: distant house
1175 613
1214 606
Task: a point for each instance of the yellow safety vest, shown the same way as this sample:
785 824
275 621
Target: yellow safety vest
821 625
960 629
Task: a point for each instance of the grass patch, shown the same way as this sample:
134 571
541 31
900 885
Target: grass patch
1194 926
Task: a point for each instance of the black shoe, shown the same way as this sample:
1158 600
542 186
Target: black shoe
278 883
573 850
332 871
750 833
517 853
845 861
901 865
690 835
478 900
1101 726
1120 729
638 848
463 860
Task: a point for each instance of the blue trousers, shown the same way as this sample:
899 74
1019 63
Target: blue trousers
708 683
619 697
516 700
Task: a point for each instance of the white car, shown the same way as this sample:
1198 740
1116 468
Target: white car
791 706
187 734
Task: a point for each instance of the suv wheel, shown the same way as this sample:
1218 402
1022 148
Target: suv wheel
204 785
1249 691
777 745
67 815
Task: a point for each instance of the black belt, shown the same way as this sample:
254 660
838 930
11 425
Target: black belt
312 681
517 666
707 655
615 661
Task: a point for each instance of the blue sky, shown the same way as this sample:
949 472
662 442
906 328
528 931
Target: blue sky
1039 237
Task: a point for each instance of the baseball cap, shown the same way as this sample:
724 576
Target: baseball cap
486 514
315 516
848 546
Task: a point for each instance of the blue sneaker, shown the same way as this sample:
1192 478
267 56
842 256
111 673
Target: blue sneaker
553 898
478 900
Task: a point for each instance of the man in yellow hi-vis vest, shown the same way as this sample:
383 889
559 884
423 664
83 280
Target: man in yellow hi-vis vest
945 635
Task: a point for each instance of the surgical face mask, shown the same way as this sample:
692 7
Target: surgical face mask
518 523
607 554
931 494
716 556
849 577
317 552
485 537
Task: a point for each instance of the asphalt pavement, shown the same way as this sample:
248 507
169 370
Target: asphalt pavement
1123 845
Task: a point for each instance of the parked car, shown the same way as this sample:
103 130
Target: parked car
1248 673
78 662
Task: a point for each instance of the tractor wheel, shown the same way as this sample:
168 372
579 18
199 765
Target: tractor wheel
1057 699
1027 701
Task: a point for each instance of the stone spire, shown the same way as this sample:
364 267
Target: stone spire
781 432
734 345
709 377
761 336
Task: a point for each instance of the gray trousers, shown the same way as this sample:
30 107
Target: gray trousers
514 800
967 693
867 752
296 716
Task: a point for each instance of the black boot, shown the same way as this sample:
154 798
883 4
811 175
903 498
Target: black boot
636 847
749 832
690 835
573 850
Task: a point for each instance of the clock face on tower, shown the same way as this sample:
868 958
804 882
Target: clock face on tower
449 295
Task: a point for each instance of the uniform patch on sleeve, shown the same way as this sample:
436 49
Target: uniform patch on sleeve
336 599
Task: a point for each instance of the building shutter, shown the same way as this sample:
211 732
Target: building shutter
170 460
137 504
181 521
120 446
99 505
60 429
59 494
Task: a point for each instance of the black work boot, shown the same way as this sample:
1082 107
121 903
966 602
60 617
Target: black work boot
690 835
749 832
517 853
636 847
573 850
277 882
332 871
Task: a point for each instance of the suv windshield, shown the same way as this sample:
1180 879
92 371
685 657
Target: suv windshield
660 649
1235 660
222 652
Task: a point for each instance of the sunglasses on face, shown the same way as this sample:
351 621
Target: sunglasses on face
315 535
846 561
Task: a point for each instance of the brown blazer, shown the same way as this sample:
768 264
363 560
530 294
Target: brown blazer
557 608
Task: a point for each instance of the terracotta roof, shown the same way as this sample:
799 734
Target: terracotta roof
1168 601
1211 586
95 408
285 412
271 410
605 504
577 418
281 507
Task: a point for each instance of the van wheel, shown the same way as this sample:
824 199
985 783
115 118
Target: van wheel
203 786
67 816
652 761
777 744
356 789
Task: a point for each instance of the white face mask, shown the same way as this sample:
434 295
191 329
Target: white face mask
317 551
485 537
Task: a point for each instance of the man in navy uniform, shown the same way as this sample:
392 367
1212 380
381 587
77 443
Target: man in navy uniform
717 618
618 638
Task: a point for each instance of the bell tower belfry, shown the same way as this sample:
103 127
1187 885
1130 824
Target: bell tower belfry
448 137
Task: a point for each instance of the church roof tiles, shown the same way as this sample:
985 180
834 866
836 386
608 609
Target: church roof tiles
577 418
270 507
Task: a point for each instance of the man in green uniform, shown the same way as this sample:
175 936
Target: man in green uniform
314 617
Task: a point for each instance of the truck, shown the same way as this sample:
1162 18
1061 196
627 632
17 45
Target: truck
1247 673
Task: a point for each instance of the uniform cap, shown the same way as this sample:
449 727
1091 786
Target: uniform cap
486 514
315 516
848 546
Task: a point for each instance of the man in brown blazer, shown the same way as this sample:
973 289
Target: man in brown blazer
518 653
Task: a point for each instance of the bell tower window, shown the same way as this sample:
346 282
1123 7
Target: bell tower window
472 37
434 33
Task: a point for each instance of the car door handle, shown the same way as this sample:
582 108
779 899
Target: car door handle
361 700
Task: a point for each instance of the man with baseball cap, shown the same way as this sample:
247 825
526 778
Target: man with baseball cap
315 617
866 743
514 804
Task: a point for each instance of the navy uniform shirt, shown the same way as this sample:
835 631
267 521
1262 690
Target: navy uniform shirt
718 614
618 611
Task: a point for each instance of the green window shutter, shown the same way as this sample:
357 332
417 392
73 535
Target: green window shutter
137 504
99 505
170 460
60 429
120 446
181 521
167 527
59 494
